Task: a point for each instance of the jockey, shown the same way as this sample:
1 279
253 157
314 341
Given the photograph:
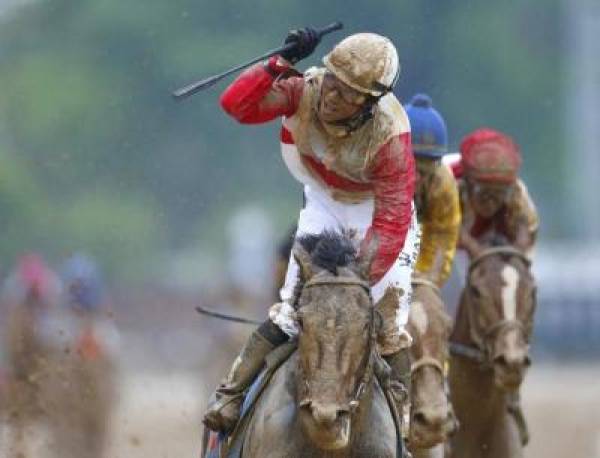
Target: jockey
436 195
496 209
346 138
93 332
32 287
495 204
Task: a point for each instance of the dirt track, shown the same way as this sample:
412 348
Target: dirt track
158 416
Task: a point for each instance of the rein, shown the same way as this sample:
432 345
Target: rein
501 250
426 282
428 361
475 352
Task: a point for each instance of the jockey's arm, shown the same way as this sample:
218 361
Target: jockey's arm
258 95
392 174
527 220
440 226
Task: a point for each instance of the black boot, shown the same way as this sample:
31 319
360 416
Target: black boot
223 414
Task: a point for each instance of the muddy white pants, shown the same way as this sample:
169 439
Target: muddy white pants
321 213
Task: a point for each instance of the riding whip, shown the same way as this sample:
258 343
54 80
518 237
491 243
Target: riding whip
224 316
197 86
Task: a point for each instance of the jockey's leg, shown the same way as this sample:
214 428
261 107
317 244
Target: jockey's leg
224 412
392 296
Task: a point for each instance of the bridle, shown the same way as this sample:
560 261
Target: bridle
428 361
479 352
368 357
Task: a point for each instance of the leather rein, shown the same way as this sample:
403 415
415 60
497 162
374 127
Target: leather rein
428 361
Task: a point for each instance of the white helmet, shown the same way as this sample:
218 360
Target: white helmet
366 62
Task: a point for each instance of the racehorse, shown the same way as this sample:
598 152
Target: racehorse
326 400
28 365
432 418
490 354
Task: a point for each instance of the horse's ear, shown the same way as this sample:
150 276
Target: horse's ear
366 256
303 259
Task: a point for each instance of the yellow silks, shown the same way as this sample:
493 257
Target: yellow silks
439 216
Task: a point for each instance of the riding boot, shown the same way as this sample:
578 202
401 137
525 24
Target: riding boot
224 412
399 363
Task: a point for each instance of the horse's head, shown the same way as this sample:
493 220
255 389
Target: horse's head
337 329
432 418
500 298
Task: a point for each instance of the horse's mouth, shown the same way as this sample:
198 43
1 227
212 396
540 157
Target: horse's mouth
330 436
508 381
424 437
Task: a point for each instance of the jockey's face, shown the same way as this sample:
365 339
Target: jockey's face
338 100
425 168
488 198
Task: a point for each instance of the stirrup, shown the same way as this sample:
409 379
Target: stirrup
224 414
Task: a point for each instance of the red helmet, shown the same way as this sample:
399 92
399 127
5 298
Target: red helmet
33 275
489 155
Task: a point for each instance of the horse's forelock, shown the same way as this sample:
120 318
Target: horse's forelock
329 250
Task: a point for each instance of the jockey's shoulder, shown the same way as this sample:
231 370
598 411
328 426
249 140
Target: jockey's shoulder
390 108
453 162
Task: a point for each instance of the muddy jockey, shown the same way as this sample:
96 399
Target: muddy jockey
346 138
495 204
436 194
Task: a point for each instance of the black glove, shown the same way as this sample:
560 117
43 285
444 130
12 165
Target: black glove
305 40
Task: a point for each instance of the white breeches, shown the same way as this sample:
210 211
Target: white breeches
321 213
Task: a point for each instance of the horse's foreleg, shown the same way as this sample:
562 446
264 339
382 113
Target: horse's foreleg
506 439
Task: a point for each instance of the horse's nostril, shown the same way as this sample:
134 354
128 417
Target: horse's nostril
419 418
527 361
501 361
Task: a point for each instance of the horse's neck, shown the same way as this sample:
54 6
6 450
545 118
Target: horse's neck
461 330
475 385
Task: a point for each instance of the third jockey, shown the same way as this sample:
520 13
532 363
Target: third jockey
346 138
496 207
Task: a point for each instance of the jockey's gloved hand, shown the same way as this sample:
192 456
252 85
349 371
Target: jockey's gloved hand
305 40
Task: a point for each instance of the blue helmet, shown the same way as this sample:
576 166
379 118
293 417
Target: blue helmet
428 128
83 283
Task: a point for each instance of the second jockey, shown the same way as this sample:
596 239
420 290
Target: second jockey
436 195
346 138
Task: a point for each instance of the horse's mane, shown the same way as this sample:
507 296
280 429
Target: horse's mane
329 250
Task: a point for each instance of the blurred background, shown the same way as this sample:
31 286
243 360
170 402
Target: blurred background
179 206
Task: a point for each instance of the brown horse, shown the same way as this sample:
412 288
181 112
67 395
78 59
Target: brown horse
490 354
325 400
28 366
432 418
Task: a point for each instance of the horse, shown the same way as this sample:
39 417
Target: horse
28 366
489 349
326 400
432 417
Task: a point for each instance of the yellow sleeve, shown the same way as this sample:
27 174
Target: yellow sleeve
440 225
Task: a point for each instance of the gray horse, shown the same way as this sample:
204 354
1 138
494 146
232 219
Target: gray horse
325 400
